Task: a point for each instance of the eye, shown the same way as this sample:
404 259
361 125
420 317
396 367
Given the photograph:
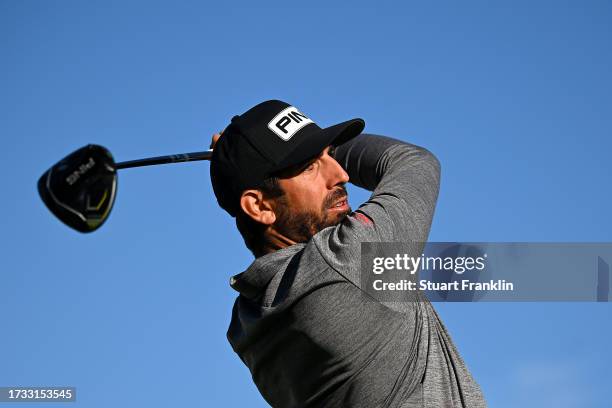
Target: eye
310 166
332 151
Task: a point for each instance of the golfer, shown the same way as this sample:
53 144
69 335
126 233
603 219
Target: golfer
307 331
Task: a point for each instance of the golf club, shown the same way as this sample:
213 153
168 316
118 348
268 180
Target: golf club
80 189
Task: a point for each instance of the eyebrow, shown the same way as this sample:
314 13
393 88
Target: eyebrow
300 167
313 159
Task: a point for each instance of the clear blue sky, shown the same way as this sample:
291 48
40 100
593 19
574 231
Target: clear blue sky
513 97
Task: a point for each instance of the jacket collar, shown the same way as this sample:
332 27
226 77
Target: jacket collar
253 282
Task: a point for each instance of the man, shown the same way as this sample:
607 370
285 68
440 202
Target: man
307 331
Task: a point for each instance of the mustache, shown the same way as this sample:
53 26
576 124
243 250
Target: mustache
338 194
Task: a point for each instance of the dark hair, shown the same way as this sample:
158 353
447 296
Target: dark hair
252 231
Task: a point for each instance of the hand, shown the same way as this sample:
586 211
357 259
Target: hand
214 139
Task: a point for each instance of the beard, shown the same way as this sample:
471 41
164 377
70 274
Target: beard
300 226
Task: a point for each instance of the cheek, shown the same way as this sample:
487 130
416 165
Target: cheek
305 196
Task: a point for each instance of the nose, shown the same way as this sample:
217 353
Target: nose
335 173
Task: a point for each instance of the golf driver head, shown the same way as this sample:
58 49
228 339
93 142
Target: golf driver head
80 189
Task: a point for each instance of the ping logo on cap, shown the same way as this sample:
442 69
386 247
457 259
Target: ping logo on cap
288 122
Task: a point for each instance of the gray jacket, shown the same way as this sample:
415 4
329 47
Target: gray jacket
309 334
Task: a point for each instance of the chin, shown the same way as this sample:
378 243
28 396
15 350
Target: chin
337 218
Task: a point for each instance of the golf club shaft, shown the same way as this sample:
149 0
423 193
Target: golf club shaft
174 158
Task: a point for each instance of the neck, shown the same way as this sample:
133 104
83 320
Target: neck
275 241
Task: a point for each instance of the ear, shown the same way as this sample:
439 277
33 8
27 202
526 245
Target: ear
257 207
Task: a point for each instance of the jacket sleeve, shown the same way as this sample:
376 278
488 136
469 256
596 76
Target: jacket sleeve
404 180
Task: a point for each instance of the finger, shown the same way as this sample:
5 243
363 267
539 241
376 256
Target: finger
214 140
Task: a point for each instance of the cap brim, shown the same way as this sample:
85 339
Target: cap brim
314 144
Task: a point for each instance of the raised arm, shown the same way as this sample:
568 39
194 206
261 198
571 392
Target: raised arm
405 181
